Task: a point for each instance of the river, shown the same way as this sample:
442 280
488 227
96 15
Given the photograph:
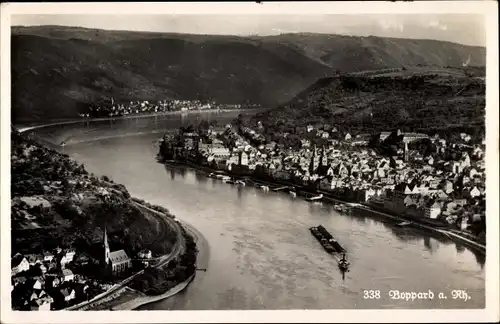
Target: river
262 255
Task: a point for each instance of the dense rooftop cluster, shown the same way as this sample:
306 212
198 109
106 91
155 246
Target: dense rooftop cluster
407 173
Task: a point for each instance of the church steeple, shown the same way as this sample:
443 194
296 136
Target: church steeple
324 157
406 153
312 166
106 247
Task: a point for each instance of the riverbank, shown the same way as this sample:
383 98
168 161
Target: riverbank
86 132
444 232
328 197
202 259
31 126
130 299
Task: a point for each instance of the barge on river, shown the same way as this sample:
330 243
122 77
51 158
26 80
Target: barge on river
326 239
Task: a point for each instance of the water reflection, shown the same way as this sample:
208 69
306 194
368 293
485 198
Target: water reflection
315 207
328 208
405 234
358 217
460 248
171 172
182 172
480 258
239 192
431 244
200 177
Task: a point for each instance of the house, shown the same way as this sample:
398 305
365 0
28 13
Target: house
411 137
383 164
47 257
305 143
243 158
463 223
384 135
475 192
325 184
33 202
19 264
119 261
347 137
409 189
369 193
145 254
433 210
342 171
42 304
51 266
473 172
36 283
42 268
477 217
34 258
465 160
460 201
447 186
410 200
82 259
64 261
282 174
37 293
68 275
68 294
81 291
53 281
456 167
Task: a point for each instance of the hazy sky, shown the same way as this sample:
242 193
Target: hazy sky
459 28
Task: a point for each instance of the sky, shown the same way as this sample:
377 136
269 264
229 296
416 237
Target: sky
468 29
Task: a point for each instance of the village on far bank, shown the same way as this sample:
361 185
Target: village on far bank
419 176
112 108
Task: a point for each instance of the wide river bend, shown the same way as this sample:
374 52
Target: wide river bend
261 254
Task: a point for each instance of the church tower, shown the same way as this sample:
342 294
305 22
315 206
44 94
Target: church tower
312 164
324 157
405 153
106 247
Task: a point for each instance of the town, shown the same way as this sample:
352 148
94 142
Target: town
424 178
110 108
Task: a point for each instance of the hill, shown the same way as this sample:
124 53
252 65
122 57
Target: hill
57 71
57 203
414 99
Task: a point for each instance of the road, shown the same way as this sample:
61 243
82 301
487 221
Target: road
179 247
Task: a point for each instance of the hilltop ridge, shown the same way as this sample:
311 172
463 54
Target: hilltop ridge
412 99
58 70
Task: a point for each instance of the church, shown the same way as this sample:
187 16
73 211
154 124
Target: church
118 261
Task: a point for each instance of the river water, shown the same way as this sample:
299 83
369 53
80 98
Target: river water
261 254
